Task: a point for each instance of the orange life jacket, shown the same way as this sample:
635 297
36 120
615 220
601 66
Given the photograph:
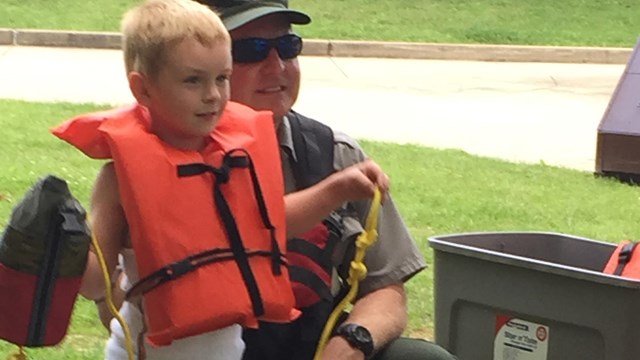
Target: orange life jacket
206 259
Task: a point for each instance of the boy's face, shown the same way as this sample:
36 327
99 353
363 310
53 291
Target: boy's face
189 92
271 84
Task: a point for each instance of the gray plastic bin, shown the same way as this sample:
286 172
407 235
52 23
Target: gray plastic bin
532 296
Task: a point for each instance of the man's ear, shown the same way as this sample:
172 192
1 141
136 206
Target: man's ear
139 86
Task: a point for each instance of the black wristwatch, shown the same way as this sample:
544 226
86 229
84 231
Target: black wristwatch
358 336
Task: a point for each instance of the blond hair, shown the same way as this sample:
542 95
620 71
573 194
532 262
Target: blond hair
150 29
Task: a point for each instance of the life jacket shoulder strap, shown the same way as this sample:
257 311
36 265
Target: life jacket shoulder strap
624 257
624 261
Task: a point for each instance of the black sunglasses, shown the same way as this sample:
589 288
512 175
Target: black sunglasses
253 50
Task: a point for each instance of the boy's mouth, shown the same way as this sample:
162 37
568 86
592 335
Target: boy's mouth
207 114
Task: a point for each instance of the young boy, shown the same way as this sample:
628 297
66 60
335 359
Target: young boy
191 200
198 207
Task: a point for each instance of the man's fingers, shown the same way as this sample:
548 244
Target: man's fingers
376 175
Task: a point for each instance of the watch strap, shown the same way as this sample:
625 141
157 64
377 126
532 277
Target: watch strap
357 336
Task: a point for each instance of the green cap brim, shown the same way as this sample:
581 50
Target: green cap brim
235 21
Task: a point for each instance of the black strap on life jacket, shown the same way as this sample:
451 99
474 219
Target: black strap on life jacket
624 257
313 143
237 251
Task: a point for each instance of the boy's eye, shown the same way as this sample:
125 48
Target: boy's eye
222 78
192 80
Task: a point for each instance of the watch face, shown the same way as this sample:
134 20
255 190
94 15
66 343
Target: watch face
358 336
361 334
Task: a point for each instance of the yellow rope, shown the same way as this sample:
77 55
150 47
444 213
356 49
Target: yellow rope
20 355
357 271
109 298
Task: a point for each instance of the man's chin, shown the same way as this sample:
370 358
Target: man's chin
278 111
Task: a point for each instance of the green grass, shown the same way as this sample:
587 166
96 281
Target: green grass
542 22
437 191
90 15
30 151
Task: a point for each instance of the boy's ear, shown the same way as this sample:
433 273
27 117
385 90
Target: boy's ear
139 86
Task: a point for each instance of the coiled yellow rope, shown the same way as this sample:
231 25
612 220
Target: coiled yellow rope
357 271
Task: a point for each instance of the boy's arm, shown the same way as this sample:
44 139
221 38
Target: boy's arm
109 227
308 207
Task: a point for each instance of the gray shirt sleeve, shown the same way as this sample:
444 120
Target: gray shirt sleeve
394 257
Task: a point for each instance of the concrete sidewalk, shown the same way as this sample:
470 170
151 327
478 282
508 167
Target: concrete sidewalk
524 112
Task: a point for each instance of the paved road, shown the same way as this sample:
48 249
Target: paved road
523 112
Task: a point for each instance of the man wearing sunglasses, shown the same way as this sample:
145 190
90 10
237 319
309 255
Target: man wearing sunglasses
266 76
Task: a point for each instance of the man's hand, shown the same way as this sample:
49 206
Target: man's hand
359 181
306 208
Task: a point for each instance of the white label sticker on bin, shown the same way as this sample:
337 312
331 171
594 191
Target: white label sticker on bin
518 339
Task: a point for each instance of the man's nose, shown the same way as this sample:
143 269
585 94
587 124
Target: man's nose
273 63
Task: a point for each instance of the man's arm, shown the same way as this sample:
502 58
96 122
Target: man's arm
391 260
383 312
308 207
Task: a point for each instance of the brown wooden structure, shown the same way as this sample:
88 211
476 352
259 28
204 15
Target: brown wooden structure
618 147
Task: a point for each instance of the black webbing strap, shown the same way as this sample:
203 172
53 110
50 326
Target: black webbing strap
237 251
624 257
276 254
237 247
307 248
178 269
308 278
311 251
185 266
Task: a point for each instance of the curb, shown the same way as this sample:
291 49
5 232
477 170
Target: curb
348 48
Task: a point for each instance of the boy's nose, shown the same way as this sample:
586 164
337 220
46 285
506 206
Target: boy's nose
212 93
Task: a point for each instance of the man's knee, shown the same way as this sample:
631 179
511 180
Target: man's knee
413 349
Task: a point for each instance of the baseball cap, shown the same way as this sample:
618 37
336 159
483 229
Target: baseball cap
235 13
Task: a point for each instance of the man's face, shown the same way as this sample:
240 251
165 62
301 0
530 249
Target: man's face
273 83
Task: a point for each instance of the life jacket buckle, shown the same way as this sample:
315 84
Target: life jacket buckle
179 268
626 253
221 173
